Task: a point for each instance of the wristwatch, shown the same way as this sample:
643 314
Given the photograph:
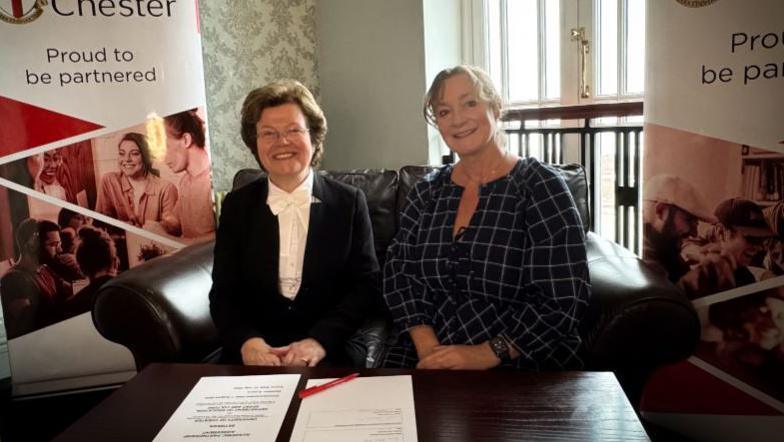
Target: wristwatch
500 348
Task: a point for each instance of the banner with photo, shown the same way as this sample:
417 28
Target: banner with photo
713 209
104 164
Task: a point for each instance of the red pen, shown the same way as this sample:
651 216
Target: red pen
317 388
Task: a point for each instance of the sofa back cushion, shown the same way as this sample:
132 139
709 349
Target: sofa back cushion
243 177
380 188
576 181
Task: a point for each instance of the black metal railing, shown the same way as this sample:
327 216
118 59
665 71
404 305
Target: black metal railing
552 143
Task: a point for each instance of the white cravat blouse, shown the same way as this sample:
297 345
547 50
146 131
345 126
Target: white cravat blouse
293 212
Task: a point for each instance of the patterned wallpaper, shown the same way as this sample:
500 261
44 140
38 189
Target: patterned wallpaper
246 44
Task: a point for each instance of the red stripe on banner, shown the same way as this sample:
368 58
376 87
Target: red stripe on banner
16 8
26 126
686 388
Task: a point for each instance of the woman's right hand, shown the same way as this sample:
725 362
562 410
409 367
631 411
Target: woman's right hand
255 351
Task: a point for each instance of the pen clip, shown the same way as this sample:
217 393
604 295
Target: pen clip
317 388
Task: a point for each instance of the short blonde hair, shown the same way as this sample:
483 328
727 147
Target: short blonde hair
481 81
278 93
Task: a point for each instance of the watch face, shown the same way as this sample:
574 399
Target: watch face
500 348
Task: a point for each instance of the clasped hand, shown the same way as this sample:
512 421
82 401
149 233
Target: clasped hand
459 357
305 353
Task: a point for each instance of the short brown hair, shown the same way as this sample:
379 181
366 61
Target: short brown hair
187 122
278 93
96 251
482 82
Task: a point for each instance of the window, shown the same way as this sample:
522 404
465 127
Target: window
572 52
620 68
524 49
533 49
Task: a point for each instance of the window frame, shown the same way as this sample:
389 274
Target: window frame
573 14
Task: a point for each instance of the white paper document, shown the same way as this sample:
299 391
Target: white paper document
367 409
232 408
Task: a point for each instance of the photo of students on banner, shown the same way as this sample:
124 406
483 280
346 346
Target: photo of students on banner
48 264
65 173
744 337
187 155
52 266
51 175
712 212
731 253
135 193
713 215
155 176
32 294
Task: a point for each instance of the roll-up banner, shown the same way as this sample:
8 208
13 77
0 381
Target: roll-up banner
104 165
713 208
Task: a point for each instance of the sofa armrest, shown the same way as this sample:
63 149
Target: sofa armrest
636 316
160 310
637 320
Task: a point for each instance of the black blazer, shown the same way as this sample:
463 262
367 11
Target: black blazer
339 277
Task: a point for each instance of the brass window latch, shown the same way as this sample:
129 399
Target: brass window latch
578 35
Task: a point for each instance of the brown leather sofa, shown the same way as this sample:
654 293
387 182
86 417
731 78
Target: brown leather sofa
636 319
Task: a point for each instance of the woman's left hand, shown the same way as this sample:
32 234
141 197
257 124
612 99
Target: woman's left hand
305 353
460 357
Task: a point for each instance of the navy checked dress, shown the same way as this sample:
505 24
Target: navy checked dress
518 270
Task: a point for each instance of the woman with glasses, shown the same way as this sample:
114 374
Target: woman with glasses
295 268
731 256
489 266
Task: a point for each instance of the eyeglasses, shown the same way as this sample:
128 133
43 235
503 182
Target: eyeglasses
272 136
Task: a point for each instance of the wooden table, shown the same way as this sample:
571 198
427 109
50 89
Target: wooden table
450 405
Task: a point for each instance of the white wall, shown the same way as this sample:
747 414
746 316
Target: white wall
371 68
443 49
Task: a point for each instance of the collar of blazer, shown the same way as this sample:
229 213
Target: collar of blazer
318 188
